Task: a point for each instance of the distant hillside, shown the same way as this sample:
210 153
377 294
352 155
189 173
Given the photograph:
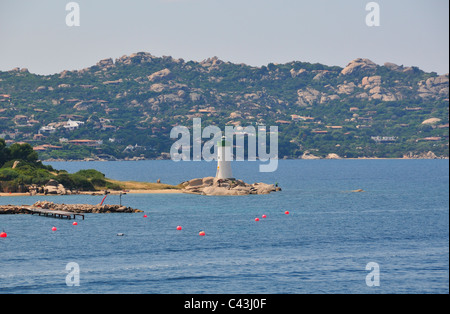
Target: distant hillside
127 107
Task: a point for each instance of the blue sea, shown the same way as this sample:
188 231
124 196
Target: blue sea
400 222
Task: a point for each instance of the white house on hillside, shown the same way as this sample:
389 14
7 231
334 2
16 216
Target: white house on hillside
72 125
47 129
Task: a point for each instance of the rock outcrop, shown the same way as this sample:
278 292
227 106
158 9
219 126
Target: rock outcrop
308 155
359 66
393 67
72 208
53 187
295 73
333 156
429 155
431 121
226 187
12 210
159 75
135 58
434 87
308 96
106 63
86 208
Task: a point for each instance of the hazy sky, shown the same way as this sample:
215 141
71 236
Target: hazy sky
34 34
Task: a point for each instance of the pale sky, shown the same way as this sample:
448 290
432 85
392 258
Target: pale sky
34 34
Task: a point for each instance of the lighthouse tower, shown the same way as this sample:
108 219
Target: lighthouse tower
223 164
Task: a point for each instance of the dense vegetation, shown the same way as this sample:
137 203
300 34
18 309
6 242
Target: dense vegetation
20 168
129 106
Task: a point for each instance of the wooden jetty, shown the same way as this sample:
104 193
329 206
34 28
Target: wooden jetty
54 213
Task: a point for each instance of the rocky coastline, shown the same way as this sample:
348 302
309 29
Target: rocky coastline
71 208
306 155
226 187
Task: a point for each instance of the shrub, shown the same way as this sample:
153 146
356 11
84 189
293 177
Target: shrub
98 182
82 183
8 174
66 180
90 174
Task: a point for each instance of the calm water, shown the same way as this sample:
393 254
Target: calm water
401 222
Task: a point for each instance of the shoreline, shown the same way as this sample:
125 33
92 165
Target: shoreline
98 193
51 209
319 158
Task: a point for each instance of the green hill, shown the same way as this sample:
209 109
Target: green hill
127 107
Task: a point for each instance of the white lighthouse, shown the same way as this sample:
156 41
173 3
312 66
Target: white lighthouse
224 157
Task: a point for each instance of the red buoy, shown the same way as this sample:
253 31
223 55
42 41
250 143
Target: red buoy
264 216
286 212
179 228
54 229
75 223
256 219
202 233
3 234
145 216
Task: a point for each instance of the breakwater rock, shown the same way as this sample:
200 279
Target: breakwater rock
13 210
229 187
72 208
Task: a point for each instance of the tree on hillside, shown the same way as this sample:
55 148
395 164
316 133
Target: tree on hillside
22 152
4 152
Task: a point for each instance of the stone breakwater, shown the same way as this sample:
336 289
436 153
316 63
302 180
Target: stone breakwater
230 187
72 208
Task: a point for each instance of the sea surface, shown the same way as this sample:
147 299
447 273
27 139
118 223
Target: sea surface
400 222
